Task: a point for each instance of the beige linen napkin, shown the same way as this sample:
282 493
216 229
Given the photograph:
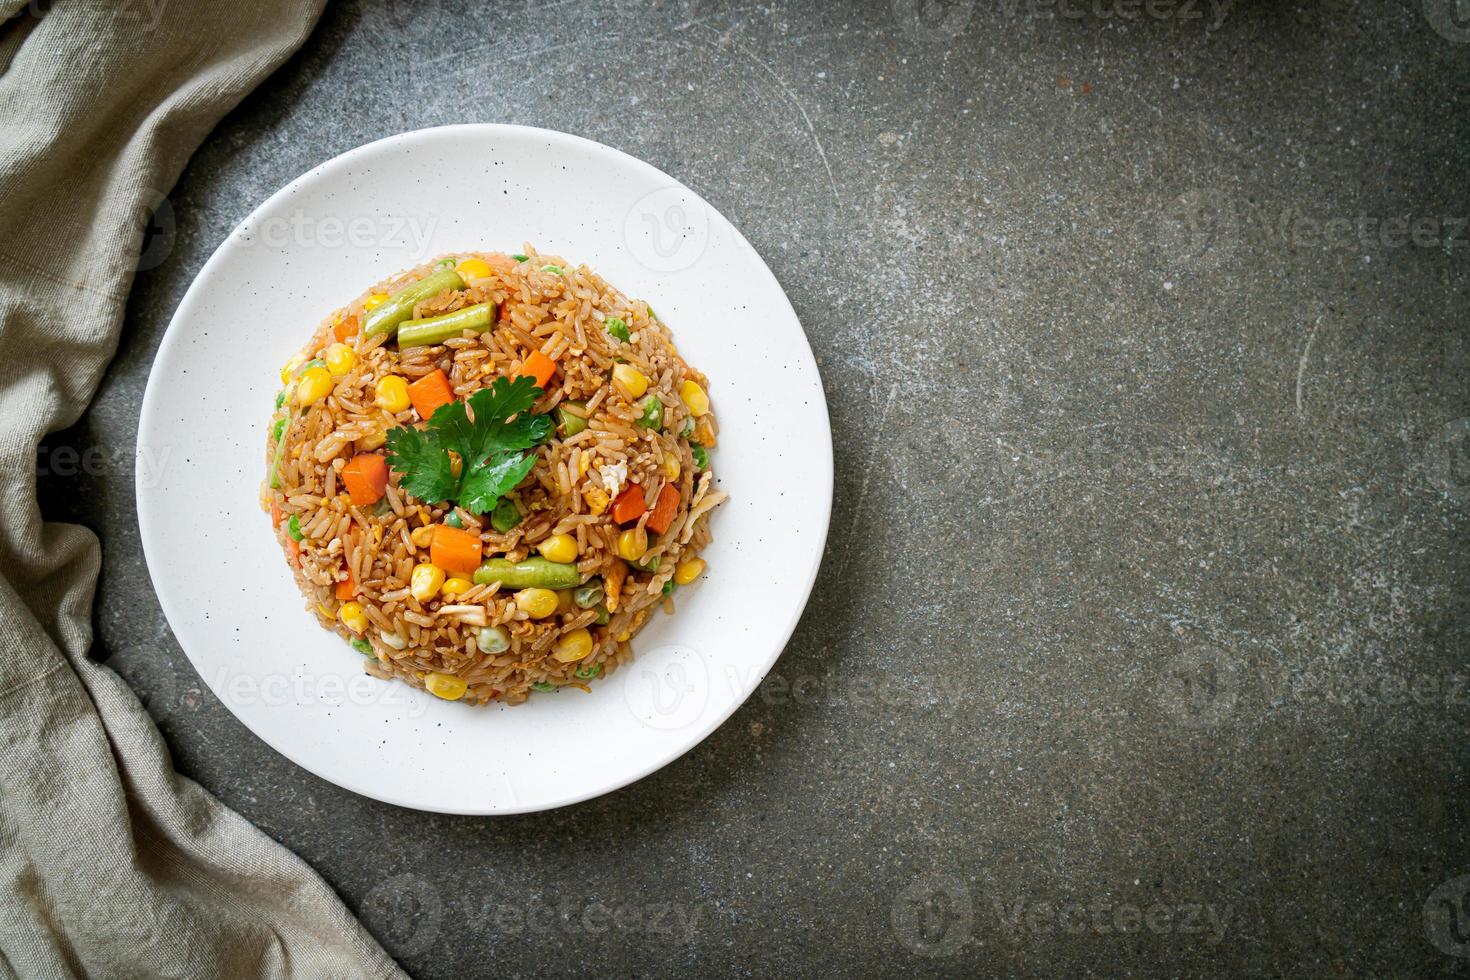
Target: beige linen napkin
111 864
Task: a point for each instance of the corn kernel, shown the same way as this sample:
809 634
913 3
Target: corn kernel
289 368
393 394
537 603
672 467
632 381
566 602
694 397
426 581
339 359
632 544
314 385
573 646
445 686
422 537
559 548
597 499
374 301
472 269
455 586
687 571
353 617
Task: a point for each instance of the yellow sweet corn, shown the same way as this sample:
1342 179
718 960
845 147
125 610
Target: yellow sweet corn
393 394
630 380
426 581
374 301
559 548
445 686
537 603
314 385
694 397
632 544
472 269
455 586
339 359
689 570
353 617
573 646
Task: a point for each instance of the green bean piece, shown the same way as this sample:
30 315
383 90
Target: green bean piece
533 573
519 257
543 686
437 329
571 418
505 516
618 328
603 616
589 595
399 306
293 528
653 413
280 398
648 564
553 269
278 429
444 264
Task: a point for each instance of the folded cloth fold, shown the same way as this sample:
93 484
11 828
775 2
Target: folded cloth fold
111 864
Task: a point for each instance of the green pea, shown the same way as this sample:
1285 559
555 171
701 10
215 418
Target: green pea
588 595
493 639
653 413
280 398
543 686
555 270
520 258
362 646
669 587
687 429
293 528
603 616
650 565
505 516
701 456
278 428
587 673
453 519
618 328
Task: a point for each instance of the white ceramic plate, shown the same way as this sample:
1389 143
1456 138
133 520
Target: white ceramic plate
312 247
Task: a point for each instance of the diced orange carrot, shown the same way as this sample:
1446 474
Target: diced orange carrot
629 505
455 549
293 551
276 515
663 509
366 479
344 328
429 393
539 368
345 589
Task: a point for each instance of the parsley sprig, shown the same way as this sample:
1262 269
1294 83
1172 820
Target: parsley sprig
490 438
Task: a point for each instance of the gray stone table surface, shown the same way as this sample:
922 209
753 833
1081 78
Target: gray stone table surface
1139 645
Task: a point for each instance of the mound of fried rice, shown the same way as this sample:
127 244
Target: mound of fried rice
367 555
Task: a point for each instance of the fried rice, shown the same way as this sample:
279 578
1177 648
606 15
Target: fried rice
628 418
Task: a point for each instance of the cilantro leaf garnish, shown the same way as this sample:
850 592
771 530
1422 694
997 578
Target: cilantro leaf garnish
490 435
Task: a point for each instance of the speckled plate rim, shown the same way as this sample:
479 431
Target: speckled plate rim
156 497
